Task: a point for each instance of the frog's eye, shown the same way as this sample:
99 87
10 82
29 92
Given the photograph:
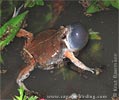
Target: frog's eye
77 37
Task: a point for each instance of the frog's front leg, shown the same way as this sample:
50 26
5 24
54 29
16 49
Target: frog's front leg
25 34
70 55
25 72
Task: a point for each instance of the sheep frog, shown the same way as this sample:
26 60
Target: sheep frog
50 47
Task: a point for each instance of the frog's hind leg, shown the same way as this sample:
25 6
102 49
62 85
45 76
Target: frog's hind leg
25 72
78 63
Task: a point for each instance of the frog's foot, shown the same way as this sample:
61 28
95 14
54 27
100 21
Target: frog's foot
70 55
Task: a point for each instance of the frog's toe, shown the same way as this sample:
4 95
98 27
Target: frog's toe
92 70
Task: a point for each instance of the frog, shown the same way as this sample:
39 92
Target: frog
49 48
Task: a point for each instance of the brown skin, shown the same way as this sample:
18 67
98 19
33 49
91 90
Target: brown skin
47 49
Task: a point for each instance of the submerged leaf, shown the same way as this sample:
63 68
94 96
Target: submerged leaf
95 48
95 51
67 73
9 30
94 35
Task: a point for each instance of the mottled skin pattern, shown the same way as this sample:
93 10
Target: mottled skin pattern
48 48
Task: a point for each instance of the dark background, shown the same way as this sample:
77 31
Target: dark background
48 82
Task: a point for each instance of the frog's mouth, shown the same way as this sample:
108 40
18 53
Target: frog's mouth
76 37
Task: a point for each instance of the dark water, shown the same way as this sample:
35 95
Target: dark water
52 84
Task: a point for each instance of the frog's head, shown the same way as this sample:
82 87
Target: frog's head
76 37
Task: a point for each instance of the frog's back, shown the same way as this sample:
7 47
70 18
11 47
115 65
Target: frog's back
45 46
